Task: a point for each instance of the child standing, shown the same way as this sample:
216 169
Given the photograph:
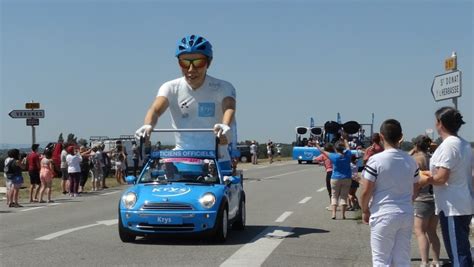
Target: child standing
353 201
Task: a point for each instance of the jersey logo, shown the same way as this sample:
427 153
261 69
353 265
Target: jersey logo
207 109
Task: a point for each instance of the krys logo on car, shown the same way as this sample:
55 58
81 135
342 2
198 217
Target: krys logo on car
170 191
308 154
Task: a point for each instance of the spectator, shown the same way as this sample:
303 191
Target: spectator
74 170
85 167
46 176
34 166
353 200
119 166
388 182
270 149
106 165
64 173
278 148
254 152
426 221
341 175
323 158
97 170
13 167
135 157
374 148
451 176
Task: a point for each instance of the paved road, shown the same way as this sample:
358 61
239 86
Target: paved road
286 217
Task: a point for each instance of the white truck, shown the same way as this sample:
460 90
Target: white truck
110 146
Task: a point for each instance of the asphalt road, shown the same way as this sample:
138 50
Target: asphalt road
287 225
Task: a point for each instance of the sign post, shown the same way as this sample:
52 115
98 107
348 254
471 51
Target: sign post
448 85
32 114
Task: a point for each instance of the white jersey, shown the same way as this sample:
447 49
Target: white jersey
200 108
455 197
394 172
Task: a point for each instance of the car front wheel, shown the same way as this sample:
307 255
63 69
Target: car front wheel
222 225
125 236
239 224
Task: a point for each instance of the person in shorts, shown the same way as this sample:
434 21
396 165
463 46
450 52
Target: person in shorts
34 166
426 221
12 169
64 173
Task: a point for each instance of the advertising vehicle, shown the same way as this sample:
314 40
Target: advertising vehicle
182 192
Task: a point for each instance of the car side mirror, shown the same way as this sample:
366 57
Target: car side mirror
228 180
130 179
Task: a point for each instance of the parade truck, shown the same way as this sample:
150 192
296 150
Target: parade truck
303 149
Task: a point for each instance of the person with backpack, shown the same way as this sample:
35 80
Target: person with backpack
12 170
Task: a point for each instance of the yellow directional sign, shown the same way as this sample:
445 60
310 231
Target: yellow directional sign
32 105
450 64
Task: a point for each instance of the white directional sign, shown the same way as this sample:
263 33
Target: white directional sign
25 114
446 86
32 122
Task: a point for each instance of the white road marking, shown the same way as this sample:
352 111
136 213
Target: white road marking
64 232
110 193
257 251
283 174
108 222
304 200
283 217
321 189
35 208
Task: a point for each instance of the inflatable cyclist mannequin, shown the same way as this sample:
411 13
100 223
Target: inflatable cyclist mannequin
196 100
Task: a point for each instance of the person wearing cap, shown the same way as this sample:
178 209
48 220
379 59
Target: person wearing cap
196 100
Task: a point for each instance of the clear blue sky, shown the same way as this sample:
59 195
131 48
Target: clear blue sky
95 66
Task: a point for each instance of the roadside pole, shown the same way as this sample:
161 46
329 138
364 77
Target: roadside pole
32 114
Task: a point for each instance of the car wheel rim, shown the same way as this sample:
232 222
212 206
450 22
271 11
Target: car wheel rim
224 224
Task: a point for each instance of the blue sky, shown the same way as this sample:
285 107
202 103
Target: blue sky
95 66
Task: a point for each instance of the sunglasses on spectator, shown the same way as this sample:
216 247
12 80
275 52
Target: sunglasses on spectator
197 63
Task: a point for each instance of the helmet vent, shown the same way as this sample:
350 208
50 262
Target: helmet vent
181 47
191 43
199 40
192 37
183 40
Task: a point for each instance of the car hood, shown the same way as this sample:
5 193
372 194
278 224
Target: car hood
174 192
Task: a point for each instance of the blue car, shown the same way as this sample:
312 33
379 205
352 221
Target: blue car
305 154
182 192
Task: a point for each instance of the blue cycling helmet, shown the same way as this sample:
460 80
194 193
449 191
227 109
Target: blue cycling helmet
194 44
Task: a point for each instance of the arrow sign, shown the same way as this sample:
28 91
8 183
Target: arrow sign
446 86
25 114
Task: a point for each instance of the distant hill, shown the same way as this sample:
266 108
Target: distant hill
22 146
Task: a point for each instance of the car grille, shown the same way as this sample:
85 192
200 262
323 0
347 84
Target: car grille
166 206
166 227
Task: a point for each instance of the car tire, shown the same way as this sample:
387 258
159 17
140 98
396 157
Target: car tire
309 162
244 159
299 161
125 236
222 226
239 224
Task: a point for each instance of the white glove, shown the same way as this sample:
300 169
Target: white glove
143 131
221 128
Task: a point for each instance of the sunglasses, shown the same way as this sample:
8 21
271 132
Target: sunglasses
197 63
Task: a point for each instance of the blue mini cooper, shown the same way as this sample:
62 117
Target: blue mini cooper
182 192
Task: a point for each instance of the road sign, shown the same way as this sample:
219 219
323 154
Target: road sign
450 64
32 105
24 114
446 86
32 122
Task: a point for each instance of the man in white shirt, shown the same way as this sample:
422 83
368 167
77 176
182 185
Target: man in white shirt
195 100
388 182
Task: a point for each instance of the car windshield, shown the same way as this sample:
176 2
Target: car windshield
185 170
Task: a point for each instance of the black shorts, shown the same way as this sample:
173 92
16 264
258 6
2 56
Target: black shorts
64 174
354 184
34 177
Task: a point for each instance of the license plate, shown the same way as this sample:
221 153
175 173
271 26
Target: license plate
169 220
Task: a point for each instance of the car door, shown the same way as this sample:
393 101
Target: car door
234 198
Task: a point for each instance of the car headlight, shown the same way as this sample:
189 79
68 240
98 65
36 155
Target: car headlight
129 200
208 200
300 157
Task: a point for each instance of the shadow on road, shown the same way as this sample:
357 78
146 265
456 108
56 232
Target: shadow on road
250 233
